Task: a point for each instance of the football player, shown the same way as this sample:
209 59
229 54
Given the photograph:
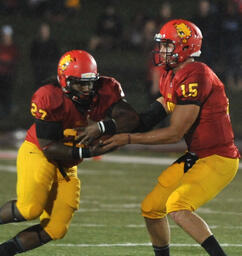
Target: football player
195 98
47 184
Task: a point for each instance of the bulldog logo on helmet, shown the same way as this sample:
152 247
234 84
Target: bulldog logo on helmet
65 62
183 31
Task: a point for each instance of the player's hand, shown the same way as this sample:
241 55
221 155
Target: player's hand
88 134
115 141
97 148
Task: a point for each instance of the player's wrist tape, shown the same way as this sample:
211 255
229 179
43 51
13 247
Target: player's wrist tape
107 126
79 153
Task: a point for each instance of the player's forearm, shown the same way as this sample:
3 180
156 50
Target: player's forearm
166 135
55 150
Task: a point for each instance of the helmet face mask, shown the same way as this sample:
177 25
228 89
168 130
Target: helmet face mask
164 55
186 39
77 73
79 90
83 88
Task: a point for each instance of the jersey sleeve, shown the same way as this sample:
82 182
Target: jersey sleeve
109 93
110 90
47 104
194 89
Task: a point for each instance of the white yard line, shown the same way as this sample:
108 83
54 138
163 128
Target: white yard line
119 159
137 159
8 168
141 160
131 226
137 209
134 245
131 245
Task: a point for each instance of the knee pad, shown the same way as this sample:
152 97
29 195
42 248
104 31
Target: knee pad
150 209
154 204
30 212
56 231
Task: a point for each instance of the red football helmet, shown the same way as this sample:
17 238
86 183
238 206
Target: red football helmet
79 67
185 39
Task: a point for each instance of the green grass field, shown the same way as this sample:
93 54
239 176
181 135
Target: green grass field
109 222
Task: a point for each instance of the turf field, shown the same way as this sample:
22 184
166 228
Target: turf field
109 221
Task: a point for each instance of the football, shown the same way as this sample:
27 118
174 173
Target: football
69 164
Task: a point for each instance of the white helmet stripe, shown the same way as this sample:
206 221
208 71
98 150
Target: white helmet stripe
88 75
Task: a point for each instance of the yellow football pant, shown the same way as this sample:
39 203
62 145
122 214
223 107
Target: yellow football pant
177 190
43 192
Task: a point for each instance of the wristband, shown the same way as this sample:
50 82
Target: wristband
84 153
107 126
79 153
101 127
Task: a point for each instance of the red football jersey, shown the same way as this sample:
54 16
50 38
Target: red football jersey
49 103
196 83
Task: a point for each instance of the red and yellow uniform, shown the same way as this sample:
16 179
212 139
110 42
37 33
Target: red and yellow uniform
210 138
197 84
41 190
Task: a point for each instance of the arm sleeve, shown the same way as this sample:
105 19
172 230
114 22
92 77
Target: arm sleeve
49 130
154 114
